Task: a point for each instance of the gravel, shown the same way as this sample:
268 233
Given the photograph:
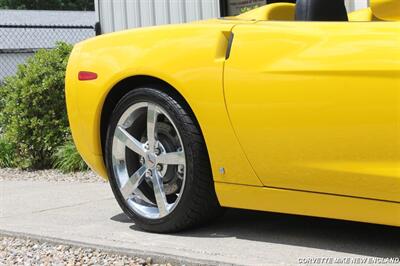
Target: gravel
48 175
25 251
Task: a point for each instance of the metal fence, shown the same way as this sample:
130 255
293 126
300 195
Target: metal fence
18 42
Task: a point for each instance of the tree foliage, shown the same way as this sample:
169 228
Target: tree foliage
47 4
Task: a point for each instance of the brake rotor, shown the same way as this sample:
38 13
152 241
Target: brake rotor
172 175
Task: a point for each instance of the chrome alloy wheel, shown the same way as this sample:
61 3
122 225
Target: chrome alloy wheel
148 160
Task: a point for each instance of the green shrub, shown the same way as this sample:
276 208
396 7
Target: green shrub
246 9
32 108
67 159
7 152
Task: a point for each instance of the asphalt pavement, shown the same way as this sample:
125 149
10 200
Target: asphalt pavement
86 214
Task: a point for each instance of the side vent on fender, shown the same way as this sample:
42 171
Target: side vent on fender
222 45
229 48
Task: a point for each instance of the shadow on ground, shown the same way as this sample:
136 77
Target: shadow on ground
342 236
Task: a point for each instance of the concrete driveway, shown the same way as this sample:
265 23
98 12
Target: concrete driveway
86 214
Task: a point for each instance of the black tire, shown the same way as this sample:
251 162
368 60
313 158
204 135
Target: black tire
198 203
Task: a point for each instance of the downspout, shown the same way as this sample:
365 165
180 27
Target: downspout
223 8
97 25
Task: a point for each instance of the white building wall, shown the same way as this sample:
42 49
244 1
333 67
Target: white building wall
356 4
115 15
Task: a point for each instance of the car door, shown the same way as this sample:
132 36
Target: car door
316 105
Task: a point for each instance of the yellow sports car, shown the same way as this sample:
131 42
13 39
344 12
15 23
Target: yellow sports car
286 108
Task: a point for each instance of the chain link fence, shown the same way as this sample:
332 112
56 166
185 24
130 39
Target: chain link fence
18 42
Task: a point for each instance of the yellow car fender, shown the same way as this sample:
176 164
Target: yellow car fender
161 52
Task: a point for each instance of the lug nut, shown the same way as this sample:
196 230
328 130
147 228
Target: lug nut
180 169
159 167
148 173
157 151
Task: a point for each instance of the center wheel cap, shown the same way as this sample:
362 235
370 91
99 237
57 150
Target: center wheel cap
150 160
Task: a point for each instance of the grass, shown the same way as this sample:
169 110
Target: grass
7 154
67 159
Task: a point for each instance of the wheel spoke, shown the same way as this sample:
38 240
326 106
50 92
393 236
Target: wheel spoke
138 130
172 158
129 141
152 114
133 182
142 196
159 193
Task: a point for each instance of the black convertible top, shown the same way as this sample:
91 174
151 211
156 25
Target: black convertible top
321 10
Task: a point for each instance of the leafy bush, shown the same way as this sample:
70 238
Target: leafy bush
32 108
246 9
7 151
67 158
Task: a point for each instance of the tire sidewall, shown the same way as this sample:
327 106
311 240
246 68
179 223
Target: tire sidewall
178 116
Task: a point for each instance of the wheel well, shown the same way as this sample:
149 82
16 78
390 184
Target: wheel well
132 83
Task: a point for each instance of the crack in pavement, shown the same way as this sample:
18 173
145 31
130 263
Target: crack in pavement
56 208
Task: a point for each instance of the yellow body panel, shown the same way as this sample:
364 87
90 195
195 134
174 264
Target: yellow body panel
362 15
386 9
319 109
277 11
161 52
310 204
315 145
